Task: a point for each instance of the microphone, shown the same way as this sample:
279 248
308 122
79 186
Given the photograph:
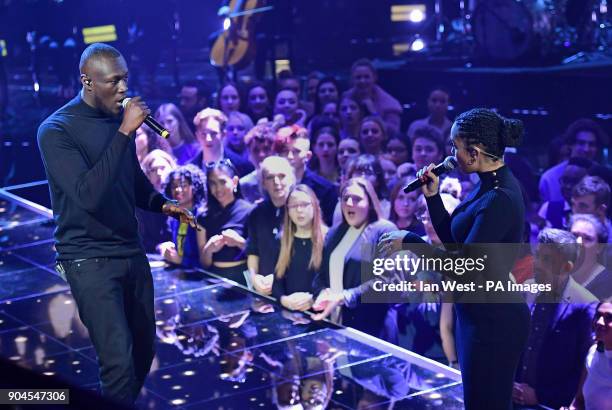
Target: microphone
447 165
150 121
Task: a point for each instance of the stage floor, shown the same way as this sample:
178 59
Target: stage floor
218 345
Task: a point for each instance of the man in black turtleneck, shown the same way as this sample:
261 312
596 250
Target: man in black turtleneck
95 183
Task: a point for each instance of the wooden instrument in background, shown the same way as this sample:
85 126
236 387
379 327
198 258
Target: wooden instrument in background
235 46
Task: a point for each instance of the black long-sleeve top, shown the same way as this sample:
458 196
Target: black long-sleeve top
264 229
298 277
493 214
233 216
95 183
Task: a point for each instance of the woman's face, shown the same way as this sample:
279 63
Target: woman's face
347 149
327 93
405 204
349 112
363 79
325 149
301 209
258 101
311 88
355 205
221 186
425 152
398 152
169 122
286 103
389 169
461 153
602 323
330 110
182 191
229 99
235 132
437 103
372 137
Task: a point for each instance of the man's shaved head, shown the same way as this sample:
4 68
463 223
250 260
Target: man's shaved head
97 51
104 76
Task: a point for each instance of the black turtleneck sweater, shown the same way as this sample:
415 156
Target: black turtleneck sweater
95 183
494 212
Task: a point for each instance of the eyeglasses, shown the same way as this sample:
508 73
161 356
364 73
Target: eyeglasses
299 205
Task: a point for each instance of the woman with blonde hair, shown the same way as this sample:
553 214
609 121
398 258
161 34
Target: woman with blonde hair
301 249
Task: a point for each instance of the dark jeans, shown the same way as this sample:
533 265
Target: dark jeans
115 301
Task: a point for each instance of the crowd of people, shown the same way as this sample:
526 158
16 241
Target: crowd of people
292 191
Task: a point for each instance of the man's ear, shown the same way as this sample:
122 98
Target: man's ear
567 267
86 81
308 156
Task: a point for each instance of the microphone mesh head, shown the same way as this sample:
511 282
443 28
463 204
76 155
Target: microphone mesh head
125 101
450 163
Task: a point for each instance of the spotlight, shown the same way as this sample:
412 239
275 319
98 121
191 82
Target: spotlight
416 16
414 13
227 23
417 45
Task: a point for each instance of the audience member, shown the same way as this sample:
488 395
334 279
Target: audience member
192 100
325 138
264 224
347 247
591 271
186 185
259 141
327 91
301 249
437 105
236 129
556 213
427 147
293 143
596 382
224 223
560 329
373 135
181 138
376 100
350 113
211 132
586 139
258 104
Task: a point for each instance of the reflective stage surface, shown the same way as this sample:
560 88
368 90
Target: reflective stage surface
218 345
